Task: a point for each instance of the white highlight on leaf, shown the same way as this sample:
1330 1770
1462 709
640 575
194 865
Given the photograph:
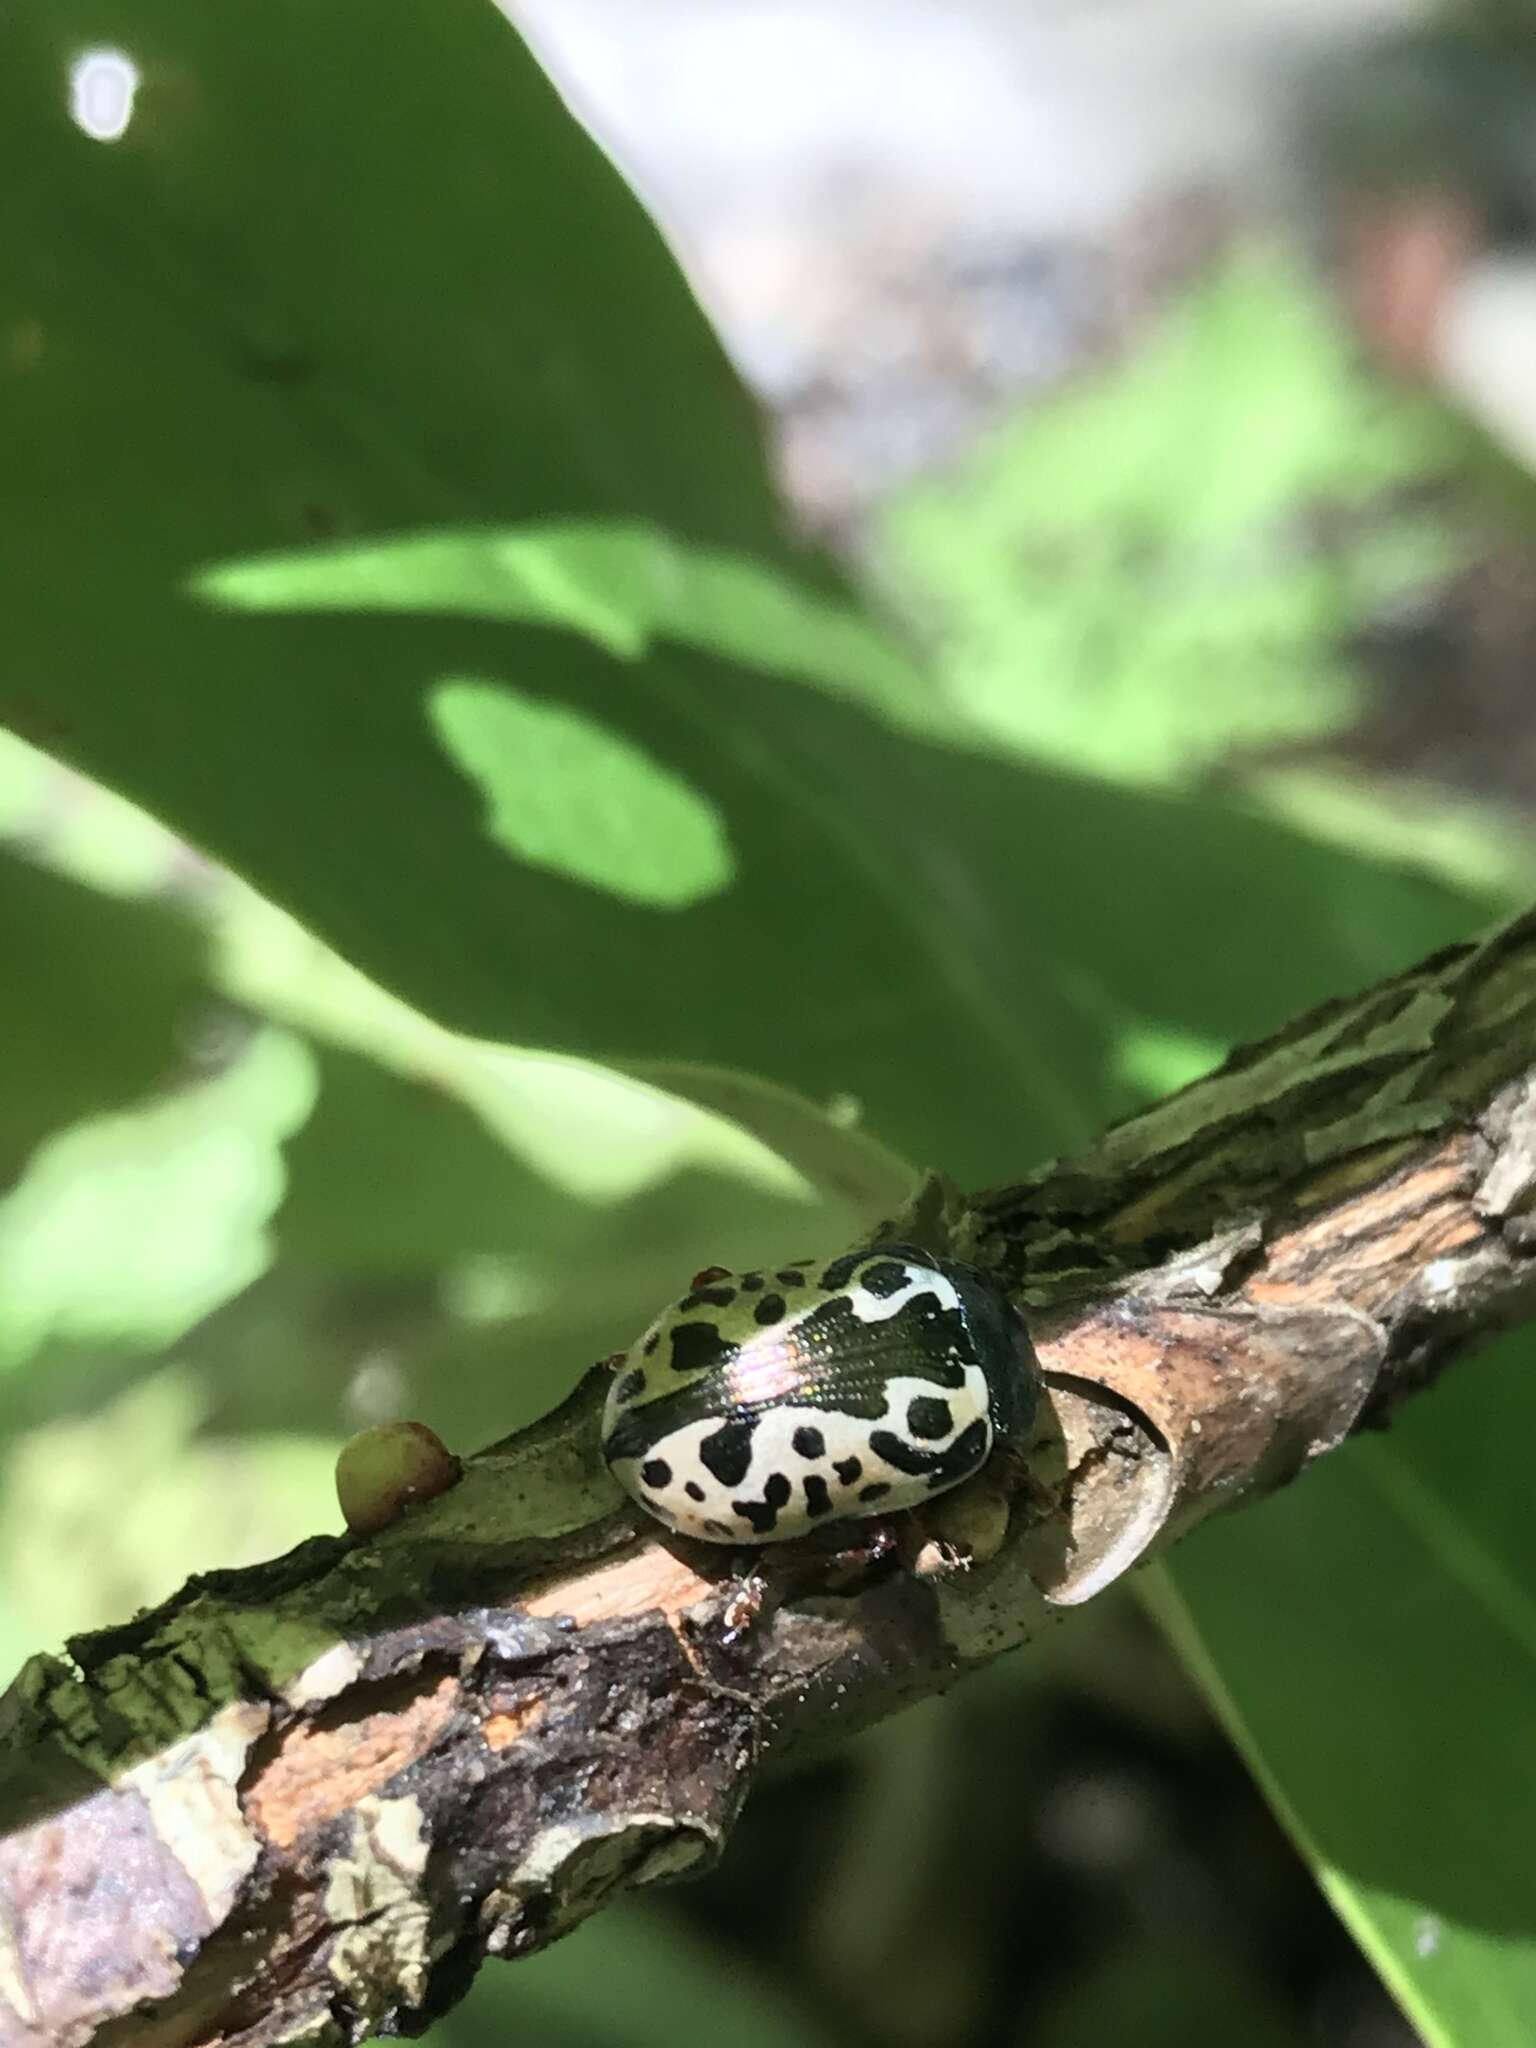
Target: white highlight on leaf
102 85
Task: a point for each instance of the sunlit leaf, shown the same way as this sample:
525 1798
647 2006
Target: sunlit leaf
1162 565
127 1229
99 1514
1370 1640
564 793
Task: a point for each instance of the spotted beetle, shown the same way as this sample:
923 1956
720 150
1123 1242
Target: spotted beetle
765 1404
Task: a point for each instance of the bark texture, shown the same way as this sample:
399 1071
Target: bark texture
306 1800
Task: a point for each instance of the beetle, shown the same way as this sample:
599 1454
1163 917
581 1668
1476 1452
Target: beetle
766 1404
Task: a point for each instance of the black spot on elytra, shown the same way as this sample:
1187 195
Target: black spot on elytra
656 1473
693 1490
876 1492
630 1435
941 1467
895 1450
651 1342
840 1272
769 1310
706 1297
696 1347
810 1443
726 1454
817 1499
945 1342
788 1277
847 1470
929 1417
631 1386
883 1279
763 1514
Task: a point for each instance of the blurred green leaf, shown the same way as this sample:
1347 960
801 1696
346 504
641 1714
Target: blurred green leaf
633 1977
826 1144
127 1229
557 1195
84 831
626 588
96 1006
99 1514
1160 566
1158 1061
484 1264
1162 1990
1008 988
1471 842
1370 1641
953 942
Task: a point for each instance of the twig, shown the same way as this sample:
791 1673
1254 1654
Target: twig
306 1799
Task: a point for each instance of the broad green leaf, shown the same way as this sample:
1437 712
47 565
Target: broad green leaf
1370 1640
904 896
127 1229
625 588
1161 566
276 318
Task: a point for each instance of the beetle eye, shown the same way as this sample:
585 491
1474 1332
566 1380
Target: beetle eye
707 1276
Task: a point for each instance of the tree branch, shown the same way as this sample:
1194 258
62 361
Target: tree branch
308 1798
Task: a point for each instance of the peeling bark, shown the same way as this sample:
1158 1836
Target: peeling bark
307 1799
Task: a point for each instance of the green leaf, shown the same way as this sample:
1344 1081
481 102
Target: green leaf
98 1003
625 588
827 1145
1162 565
278 315
964 952
1472 842
1164 1988
561 1195
125 1230
1370 1641
630 1978
100 1514
564 792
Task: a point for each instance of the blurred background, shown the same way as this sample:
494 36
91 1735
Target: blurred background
1164 373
